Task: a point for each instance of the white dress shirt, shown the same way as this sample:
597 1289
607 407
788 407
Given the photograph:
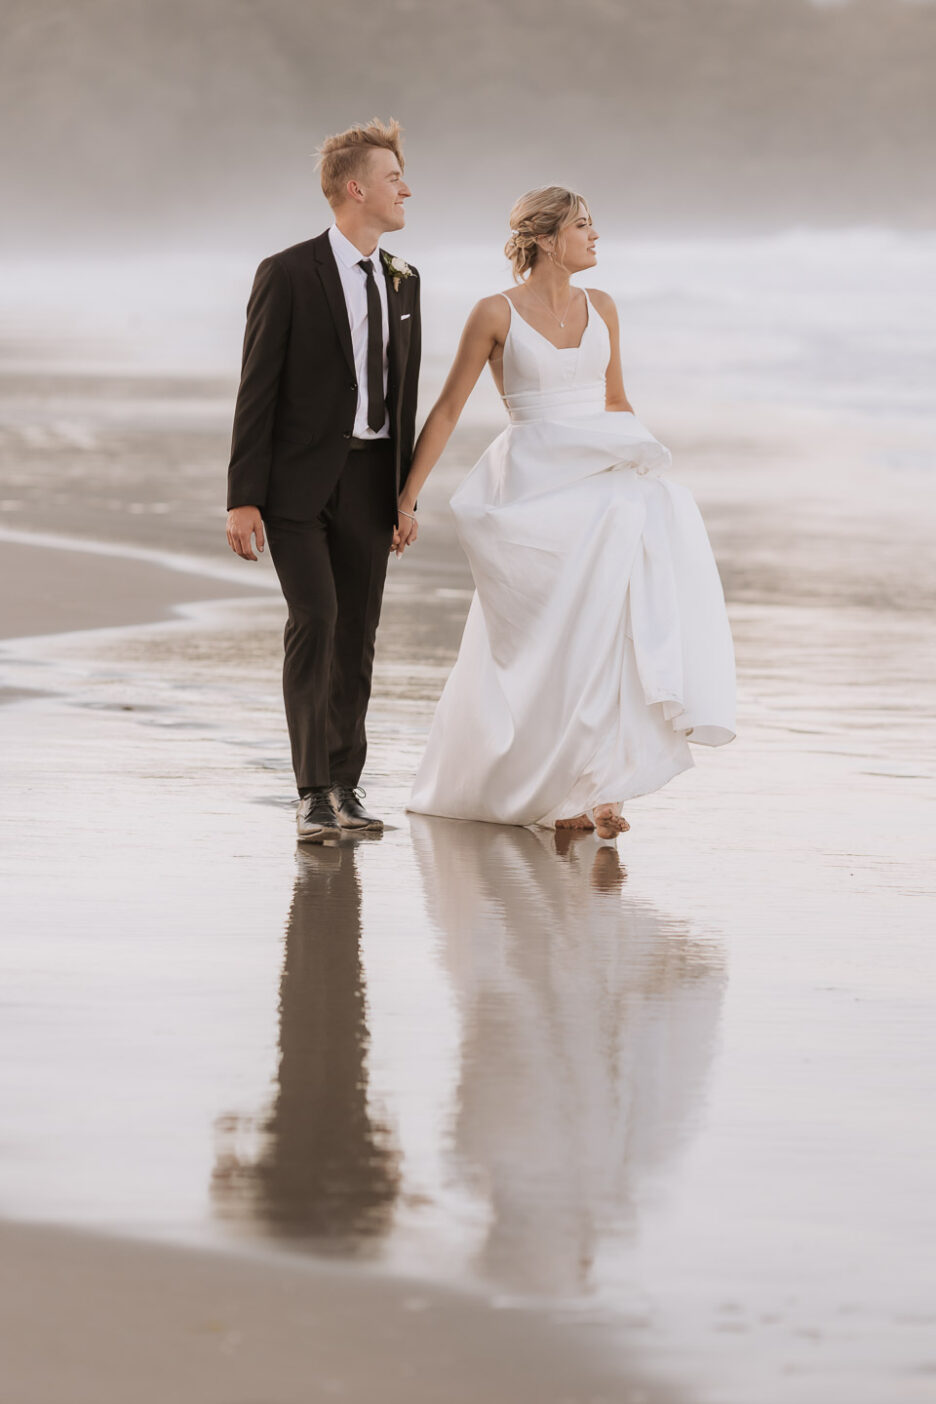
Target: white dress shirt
354 283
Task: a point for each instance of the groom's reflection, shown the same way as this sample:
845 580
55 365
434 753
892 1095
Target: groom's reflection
588 1024
327 1171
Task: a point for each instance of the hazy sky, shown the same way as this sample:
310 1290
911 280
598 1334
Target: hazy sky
195 121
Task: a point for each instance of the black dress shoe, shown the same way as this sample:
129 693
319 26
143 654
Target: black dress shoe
351 812
316 820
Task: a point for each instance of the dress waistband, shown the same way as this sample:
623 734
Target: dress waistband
574 400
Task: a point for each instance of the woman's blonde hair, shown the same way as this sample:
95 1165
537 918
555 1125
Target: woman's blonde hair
539 214
344 156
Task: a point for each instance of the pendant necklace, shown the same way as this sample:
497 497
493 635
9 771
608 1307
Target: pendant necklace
560 320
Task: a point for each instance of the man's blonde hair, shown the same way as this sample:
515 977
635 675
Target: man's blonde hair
344 157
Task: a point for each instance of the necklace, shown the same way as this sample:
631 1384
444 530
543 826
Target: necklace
544 303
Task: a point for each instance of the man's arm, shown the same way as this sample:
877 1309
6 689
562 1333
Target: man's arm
408 413
269 313
411 382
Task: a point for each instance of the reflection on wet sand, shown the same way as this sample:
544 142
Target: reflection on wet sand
588 1024
588 1021
327 1171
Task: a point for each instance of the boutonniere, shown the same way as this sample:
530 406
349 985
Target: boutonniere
397 268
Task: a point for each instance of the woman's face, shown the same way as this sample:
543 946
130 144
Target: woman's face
575 246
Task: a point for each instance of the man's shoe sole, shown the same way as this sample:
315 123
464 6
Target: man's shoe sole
320 835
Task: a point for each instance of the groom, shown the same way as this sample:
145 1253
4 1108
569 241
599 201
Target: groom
322 444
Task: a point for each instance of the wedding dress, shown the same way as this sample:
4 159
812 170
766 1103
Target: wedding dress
597 645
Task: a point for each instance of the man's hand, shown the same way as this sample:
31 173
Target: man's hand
242 524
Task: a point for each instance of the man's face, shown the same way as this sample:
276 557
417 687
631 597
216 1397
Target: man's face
384 190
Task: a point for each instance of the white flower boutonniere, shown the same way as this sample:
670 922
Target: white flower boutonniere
397 268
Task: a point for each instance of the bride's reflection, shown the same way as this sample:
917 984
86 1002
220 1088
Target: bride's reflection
588 1024
327 1172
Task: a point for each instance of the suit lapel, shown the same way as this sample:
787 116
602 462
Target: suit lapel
334 292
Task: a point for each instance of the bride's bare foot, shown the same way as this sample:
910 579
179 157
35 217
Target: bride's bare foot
609 821
581 821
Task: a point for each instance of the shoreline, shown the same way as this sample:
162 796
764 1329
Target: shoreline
100 1320
53 584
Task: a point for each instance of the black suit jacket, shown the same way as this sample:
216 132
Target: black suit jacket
298 393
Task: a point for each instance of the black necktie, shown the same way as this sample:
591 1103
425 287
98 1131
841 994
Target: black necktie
376 409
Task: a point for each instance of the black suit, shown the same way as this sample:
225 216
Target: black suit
298 392
329 509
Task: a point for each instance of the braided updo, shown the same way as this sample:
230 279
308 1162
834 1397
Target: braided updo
539 214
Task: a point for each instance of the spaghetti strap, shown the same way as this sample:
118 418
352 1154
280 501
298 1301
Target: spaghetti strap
509 304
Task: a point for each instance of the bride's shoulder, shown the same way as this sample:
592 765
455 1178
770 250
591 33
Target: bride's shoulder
490 313
603 302
494 302
606 308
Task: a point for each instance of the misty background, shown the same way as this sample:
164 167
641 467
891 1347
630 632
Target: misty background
194 122
760 173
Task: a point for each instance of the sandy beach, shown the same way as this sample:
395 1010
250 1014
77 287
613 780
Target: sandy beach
54 586
100 1321
468 1112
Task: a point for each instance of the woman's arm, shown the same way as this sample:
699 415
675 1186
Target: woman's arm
615 394
485 329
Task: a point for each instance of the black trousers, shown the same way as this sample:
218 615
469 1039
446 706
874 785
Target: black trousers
332 571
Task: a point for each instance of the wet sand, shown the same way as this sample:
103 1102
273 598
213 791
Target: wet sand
49 585
93 1320
89 1317
674 1090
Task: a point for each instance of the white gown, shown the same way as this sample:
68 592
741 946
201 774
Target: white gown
597 643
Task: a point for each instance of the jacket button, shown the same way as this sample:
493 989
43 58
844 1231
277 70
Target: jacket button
346 436
354 385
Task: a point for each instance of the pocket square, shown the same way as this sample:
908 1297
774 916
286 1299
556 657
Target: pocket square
404 315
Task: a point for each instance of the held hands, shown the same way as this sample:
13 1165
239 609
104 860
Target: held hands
246 522
407 532
242 524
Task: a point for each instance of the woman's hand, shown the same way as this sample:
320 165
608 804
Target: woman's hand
407 531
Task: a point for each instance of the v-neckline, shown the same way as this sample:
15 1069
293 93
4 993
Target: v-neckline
588 307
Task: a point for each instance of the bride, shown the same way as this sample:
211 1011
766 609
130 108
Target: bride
597 644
